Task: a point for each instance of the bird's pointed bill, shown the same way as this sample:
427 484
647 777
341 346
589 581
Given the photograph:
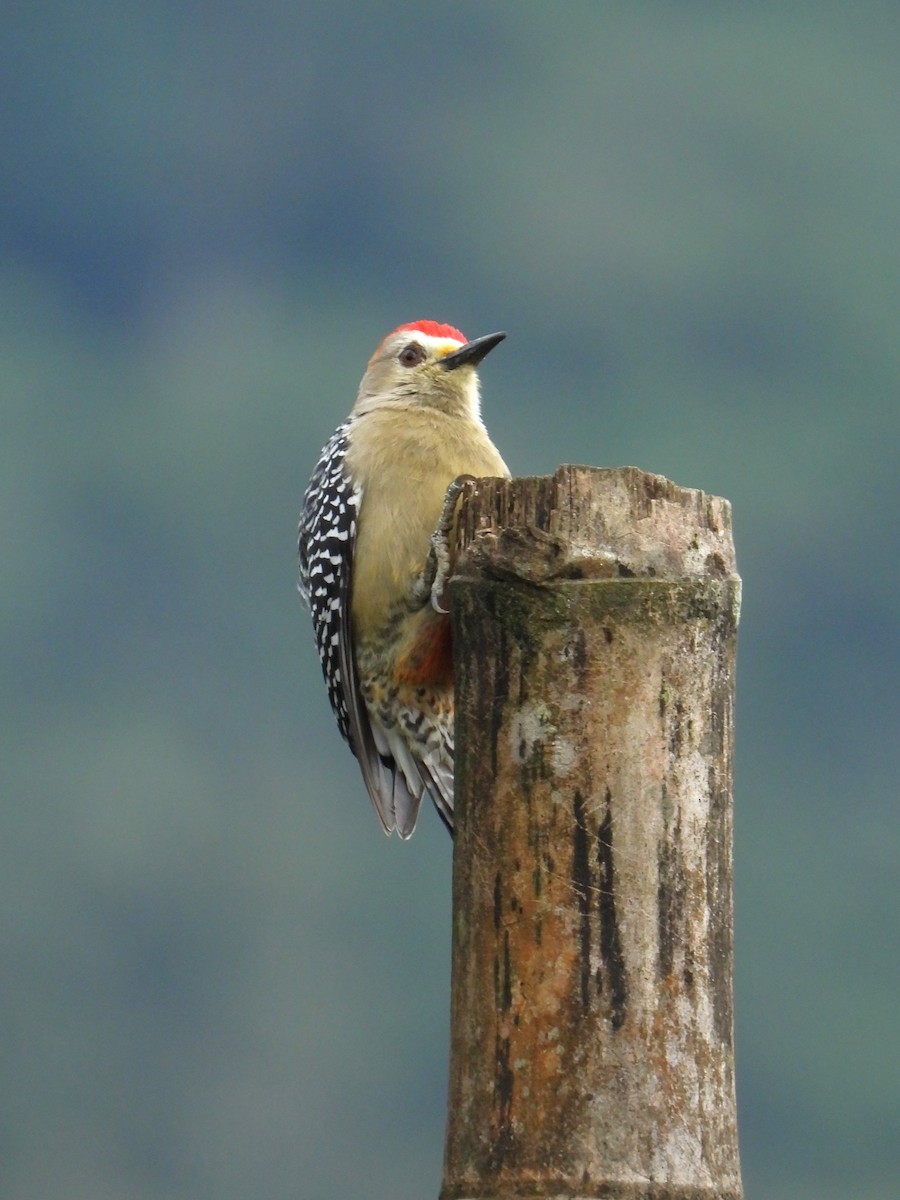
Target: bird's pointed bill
472 352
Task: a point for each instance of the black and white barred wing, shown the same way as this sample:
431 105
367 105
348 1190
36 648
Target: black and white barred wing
326 540
325 544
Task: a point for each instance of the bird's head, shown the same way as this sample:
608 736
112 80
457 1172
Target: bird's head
428 364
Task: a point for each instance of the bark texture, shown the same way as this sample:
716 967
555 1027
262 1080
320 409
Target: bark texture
595 616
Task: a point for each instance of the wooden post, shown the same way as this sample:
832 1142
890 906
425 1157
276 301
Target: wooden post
595 616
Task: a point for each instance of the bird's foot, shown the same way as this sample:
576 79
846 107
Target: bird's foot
432 582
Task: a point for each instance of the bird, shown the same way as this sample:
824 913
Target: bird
373 546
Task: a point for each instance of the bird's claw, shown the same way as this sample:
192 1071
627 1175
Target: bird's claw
432 583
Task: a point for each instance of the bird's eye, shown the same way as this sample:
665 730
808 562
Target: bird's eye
412 355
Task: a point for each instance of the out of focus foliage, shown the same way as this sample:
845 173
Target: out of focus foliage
220 980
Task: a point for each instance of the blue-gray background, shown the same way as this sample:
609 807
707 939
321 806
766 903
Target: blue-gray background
219 979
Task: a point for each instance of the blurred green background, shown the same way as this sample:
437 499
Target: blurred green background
219 979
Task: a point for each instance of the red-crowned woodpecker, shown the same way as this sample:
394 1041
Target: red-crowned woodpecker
373 543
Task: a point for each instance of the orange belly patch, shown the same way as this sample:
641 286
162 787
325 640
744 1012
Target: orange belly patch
429 659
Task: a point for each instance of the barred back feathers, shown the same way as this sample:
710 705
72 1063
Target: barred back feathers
325 544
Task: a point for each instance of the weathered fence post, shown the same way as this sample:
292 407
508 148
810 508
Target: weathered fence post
595 616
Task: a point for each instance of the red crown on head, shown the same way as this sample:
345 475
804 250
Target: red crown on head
433 329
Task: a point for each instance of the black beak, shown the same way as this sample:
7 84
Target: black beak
472 352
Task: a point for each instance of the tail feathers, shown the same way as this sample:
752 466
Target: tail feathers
406 807
400 788
409 786
399 800
440 788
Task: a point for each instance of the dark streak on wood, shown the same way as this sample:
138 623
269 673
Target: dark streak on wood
584 887
610 944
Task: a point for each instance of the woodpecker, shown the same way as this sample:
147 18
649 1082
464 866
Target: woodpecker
373 545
